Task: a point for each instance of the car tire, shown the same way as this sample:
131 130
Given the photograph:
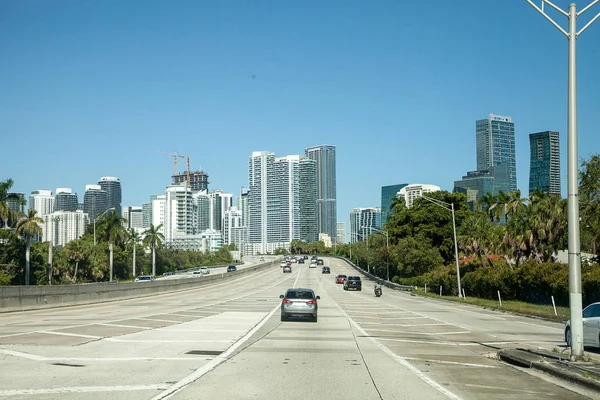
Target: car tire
283 318
315 319
568 337
359 289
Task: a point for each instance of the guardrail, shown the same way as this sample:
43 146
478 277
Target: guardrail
23 298
374 277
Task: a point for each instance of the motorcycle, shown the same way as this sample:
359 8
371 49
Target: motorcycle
378 291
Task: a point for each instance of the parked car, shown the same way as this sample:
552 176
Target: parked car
591 326
231 268
325 270
287 268
297 302
204 270
145 278
340 279
353 282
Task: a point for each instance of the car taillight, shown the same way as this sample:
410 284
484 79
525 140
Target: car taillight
286 301
311 302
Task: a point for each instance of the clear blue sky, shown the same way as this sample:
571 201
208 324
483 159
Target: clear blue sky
96 88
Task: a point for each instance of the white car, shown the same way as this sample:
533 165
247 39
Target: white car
312 265
283 264
197 274
145 278
204 270
591 326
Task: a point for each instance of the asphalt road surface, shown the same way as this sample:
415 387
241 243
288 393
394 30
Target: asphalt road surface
226 341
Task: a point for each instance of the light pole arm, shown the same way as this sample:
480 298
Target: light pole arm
557 26
589 23
584 9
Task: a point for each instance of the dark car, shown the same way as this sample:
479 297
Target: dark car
353 282
320 261
325 270
301 261
231 268
299 302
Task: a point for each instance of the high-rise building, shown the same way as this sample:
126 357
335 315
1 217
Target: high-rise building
146 215
362 220
158 205
324 155
65 200
42 201
544 170
61 227
95 201
495 141
309 226
284 210
178 212
112 186
220 202
477 184
133 217
415 190
232 227
260 168
16 201
341 232
387 194
202 212
198 180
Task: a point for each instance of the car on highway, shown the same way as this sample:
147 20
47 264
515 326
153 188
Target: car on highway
287 268
197 274
591 326
231 268
325 270
204 270
283 264
340 278
145 278
320 261
312 265
353 282
301 261
299 302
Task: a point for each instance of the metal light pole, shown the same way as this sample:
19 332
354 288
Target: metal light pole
450 207
575 300
96 219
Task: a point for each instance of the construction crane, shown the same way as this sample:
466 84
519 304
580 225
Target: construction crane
175 156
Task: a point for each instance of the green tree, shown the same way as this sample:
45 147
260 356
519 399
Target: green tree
134 238
29 226
76 251
477 237
111 229
589 203
153 239
8 217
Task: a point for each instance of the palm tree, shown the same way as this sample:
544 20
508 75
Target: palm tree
515 202
8 217
153 239
485 204
134 237
111 228
29 227
77 251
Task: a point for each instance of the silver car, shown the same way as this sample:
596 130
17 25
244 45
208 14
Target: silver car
299 302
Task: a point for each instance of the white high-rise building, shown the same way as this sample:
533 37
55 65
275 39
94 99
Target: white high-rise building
133 217
61 227
260 168
158 204
341 232
42 201
178 212
201 215
415 190
284 221
220 202
232 227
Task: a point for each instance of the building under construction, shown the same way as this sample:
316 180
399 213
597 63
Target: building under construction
198 180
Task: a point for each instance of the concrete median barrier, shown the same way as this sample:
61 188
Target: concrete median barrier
23 298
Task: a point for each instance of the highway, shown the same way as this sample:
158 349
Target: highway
226 341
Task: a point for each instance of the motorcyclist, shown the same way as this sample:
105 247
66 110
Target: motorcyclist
377 288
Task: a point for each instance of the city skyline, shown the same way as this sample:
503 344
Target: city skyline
273 83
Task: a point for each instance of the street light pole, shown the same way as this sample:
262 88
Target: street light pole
96 219
450 207
574 246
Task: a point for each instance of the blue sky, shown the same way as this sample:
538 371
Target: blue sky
91 89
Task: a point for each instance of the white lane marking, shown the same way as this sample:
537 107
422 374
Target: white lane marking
115 340
504 388
452 362
125 326
71 334
447 343
82 389
419 333
402 360
388 318
160 320
220 358
402 325
539 326
109 359
205 330
22 355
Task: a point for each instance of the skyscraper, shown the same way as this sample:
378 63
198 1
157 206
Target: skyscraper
361 222
65 200
495 141
388 193
178 212
285 203
309 228
544 170
95 201
198 180
324 155
341 232
112 187
42 201
260 168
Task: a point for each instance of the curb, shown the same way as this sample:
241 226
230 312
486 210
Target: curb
560 370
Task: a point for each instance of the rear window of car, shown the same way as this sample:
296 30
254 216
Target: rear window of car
299 294
341 276
354 278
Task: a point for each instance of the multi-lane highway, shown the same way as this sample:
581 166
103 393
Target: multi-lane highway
226 341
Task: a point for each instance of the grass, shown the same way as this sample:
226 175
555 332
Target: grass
518 307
